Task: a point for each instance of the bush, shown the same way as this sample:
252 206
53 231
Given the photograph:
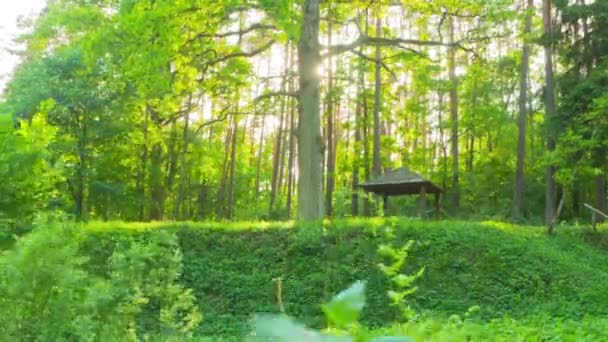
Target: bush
47 292
29 177
502 269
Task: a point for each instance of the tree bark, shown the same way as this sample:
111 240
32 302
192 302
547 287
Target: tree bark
141 174
377 167
259 161
157 188
182 166
331 153
357 145
292 156
81 180
310 141
276 159
230 206
454 118
221 192
518 190
600 185
549 114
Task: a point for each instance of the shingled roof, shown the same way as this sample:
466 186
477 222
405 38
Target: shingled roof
401 181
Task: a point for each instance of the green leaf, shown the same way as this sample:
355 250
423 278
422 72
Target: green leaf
392 339
330 338
345 308
279 328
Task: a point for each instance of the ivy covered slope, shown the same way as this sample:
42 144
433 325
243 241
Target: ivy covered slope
497 269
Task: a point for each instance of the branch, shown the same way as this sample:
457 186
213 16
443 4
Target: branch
242 54
374 60
257 26
275 93
223 115
380 41
597 211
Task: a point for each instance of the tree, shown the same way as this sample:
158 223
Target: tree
518 190
550 191
310 141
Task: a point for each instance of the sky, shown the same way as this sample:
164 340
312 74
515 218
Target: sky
10 11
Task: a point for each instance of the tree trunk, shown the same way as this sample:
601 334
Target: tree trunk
182 166
221 192
291 160
377 167
600 185
259 162
310 143
357 145
157 191
518 190
549 114
141 174
230 206
454 118
81 180
331 153
276 158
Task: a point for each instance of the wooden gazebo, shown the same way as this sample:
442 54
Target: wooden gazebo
403 181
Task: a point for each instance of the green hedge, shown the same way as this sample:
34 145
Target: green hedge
506 270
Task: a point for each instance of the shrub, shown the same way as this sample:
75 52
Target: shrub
47 292
500 269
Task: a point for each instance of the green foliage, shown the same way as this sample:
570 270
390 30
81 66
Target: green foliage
345 308
28 172
489 269
48 292
500 330
401 283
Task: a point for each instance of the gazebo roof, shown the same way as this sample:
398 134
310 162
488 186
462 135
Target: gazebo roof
401 181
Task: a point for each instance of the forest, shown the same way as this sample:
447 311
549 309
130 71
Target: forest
180 170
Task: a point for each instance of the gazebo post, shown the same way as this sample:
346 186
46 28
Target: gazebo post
385 204
422 201
437 206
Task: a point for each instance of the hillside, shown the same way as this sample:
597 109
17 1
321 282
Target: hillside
506 270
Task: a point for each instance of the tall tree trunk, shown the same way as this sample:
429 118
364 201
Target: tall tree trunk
259 162
292 156
172 154
141 174
331 153
230 207
518 190
442 144
275 185
276 158
81 191
454 118
221 192
377 167
600 185
310 143
549 114
157 188
182 166
357 145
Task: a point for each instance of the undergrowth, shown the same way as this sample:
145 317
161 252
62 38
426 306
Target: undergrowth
504 272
